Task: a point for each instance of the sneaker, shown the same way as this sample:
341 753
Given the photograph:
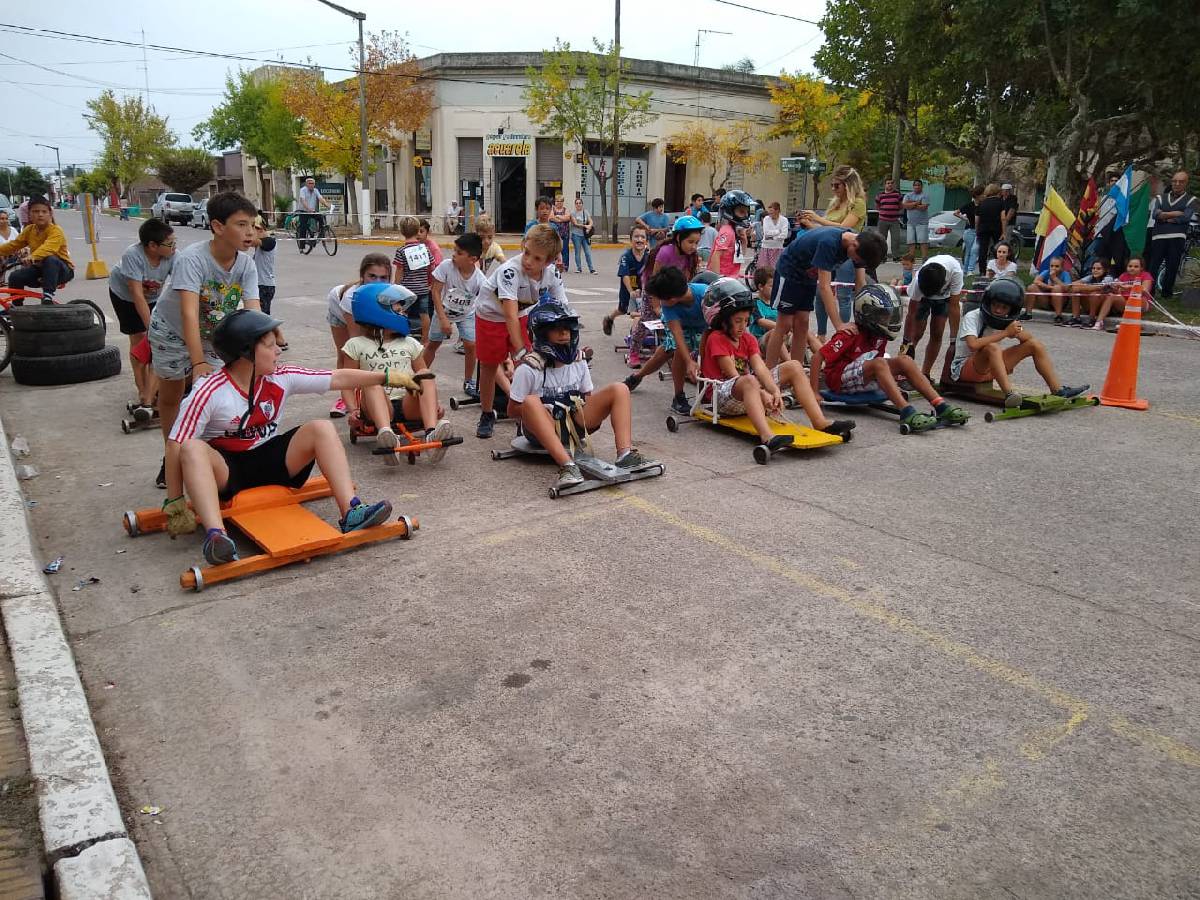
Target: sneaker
386 438
1012 400
953 415
364 516
780 441
1059 320
592 272
634 359
338 410
219 549
1025 315
607 325
631 459
840 427
919 421
487 424
681 405
471 389
1069 392
442 431
1074 322
906 349
142 413
160 480
1098 325
632 382
459 348
568 476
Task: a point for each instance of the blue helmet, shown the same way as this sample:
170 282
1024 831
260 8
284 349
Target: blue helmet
545 316
374 304
687 223
729 205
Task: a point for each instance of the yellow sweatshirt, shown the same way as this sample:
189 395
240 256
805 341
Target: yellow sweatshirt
47 240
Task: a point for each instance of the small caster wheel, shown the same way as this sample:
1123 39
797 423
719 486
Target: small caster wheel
672 424
129 405
353 437
126 426
905 429
847 437
408 527
989 417
495 455
553 493
662 375
129 520
454 403
762 455
412 459
199 579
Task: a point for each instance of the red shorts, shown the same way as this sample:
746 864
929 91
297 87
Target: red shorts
141 350
491 340
969 374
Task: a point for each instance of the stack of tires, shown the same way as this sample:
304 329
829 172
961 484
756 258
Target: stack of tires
61 344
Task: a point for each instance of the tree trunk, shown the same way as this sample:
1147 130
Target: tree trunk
1063 159
898 150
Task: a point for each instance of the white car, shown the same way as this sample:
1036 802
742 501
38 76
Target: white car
171 207
946 231
200 214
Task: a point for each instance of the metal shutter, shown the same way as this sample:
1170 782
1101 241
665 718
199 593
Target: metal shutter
470 159
549 160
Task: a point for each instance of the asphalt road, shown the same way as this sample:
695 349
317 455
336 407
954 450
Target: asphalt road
958 664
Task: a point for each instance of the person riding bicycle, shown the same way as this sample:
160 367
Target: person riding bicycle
308 204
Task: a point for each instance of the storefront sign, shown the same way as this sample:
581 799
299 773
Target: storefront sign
507 144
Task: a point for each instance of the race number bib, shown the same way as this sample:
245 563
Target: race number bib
416 256
458 304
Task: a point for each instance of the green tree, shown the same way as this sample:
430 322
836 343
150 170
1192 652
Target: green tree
745 64
29 182
133 136
253 116
95 182
184 169
571 96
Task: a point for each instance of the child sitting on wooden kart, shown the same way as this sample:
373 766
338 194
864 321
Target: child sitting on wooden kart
381 312
746 386
226 437
553 384
855 361
978 357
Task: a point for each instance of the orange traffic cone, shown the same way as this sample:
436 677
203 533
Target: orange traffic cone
1120 385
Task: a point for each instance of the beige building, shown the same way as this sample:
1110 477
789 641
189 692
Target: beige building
480 146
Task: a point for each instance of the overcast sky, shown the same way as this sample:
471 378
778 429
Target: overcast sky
47 106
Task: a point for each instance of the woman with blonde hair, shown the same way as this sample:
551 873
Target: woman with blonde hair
848 210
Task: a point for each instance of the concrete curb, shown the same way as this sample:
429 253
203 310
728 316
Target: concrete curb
84 835
1167 328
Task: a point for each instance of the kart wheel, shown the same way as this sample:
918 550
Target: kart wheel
129 520
672 424
847 437
762 455
126 427
412 459
353 437
454 403
408 527
661 375
553 493
989 417
199 585
495 455
905 429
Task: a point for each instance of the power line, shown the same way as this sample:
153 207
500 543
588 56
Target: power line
767 12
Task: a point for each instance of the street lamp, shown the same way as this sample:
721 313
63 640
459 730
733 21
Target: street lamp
58 158
19 162
364 202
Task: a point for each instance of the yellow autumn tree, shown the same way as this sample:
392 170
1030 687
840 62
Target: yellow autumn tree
809 112
398 103
719 149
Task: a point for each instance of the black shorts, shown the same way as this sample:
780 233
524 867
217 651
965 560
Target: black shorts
927 307
127 315
793 294
623 301
265 464
422 306
266 293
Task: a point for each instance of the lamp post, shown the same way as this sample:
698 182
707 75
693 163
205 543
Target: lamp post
364 205
58 159
19 162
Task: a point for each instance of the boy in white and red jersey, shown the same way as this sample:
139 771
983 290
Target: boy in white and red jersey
226 437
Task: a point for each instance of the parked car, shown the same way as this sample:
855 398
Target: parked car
6 206
946 231
172 207
1025 224
200 214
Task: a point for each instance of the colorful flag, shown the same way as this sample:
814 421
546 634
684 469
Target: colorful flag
1120 193
1083 230
1137 217
1053 227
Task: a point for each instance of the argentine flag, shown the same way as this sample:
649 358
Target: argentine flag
1120 193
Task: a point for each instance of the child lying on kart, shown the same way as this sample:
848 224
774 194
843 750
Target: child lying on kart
747 387
380 312
554 385
855 361
225 438
978 357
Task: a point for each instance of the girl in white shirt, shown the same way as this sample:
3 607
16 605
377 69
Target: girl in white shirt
1001 264
774 232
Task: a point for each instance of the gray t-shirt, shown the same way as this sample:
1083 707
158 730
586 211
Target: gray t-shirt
308 200
135 266
221 291
972 325
264 261
579 221
917 216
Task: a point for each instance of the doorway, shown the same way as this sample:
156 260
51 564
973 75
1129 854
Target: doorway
675 184
510 194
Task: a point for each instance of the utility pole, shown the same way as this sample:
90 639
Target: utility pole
364 197
19 162
146 68
696 61
616 119
58 158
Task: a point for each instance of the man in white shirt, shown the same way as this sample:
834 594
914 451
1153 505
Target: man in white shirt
934 296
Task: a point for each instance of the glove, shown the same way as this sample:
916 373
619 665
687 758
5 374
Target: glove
180 518
398 378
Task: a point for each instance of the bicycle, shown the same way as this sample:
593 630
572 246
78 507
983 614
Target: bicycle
1189 263
323 234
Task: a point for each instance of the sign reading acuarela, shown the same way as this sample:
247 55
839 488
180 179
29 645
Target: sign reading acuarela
507 144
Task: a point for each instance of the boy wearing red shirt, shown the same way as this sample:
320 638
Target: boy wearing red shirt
855 361
747 387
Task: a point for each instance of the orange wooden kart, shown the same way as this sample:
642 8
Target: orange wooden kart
284 530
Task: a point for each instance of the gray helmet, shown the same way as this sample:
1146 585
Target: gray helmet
877 311
724 297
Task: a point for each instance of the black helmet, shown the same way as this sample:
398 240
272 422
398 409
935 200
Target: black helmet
1008 291
723 298
877 311
730 202
236 334
550 315
706 277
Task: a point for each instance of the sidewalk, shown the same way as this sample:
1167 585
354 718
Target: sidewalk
21 864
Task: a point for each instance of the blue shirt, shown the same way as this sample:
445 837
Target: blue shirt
655 220
762 310
689 315
630 265
811 251
1044 274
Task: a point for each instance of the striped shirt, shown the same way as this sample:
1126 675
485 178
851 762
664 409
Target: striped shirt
888 204
415 264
